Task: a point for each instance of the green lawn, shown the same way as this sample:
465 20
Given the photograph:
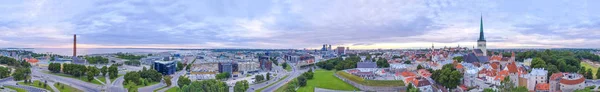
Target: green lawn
37 83
384 83
160 88
135 88
588 66
282 88
259 90
16 89
325 79
289 68
82 78
102 79
66 88
173 89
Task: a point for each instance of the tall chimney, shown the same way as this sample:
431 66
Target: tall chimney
74 45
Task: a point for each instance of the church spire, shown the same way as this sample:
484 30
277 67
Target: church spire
481 37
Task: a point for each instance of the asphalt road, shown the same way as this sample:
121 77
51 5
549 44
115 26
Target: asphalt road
117 86
84 86
295 73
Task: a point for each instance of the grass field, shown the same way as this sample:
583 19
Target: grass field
259 90
325 79
37 83
82 78
160 88
173 89
289 68
383 83
16 89
102 79
66 88
588 66
322 79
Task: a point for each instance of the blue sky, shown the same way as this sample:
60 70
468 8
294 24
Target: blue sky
361 24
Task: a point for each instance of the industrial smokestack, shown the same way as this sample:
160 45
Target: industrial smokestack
74 45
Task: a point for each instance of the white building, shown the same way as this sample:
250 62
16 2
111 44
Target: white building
536 76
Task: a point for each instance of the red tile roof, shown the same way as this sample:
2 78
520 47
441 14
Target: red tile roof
512 67
495 66
542 87
408 74
573 82
459 66
555 76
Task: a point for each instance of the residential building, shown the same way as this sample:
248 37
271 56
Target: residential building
265 63
535 77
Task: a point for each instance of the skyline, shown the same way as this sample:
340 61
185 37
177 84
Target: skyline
275 24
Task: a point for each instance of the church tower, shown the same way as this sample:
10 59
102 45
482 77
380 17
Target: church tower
481 42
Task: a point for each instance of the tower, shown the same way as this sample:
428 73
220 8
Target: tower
481 42
74 45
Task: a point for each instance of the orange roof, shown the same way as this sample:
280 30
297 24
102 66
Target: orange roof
409 79
496 58
408 74
32 60
573 82
424 73
542 86
494 66
458 66
512 67
556 75
499 77
503 72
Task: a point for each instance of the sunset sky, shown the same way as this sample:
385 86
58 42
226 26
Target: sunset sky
282 24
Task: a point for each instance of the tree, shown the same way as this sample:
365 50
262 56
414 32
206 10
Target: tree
179 66
54 67
21 74
589 75
419 67
224 75
458 59
206 86
241 86
488 90
383 63
409 87
285 65
259 78
104 70
538 63
301 81
268 76
448 76
4 72
582 71
113 71
308 75
182 81
407 62
598 73
507 84
167 80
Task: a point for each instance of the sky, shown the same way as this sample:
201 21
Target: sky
298 24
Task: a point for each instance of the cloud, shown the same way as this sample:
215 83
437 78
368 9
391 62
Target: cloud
298 23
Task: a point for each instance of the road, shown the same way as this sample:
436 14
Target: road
117 86
84 86
9 82
173 80
295 73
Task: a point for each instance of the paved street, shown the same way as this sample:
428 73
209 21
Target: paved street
117 85
85 86
295 73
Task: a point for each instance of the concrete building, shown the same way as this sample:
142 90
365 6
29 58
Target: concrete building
165 67
265 63
248 67
341 50
535 77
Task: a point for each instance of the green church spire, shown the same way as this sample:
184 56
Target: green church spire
481 37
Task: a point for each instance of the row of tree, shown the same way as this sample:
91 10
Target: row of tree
13 62
133 62
382 63
205 86
96 60
339 64
224 75
129 56
142 77
553 60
